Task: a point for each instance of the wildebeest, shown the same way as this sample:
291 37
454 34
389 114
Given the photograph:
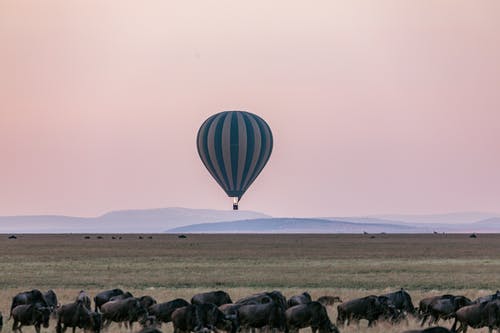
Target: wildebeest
488 298
371 308
200 317
444 308
84 299
477 315
329 300
77 315
30 314
436 329
218 297
51 299
34 296
1 321
104 297
163 311
269 314
303 298
401 301
125 295
312 314
127 310
147 301
265 297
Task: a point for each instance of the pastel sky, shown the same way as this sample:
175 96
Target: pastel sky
375 106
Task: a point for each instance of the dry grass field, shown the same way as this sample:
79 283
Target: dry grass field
166 266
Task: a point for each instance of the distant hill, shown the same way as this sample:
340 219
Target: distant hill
185 220
294 225
123 221
448 218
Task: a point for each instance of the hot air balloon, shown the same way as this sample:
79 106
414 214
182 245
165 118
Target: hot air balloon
234 146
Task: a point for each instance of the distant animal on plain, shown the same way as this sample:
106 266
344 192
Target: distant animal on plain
303 298
218 297
30 315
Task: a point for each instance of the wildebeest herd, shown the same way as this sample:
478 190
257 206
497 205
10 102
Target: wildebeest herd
215 311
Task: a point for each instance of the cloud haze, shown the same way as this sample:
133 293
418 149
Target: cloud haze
376 107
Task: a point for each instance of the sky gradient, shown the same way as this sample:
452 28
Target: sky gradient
375 106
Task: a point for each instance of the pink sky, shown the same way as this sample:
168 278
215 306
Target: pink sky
375 106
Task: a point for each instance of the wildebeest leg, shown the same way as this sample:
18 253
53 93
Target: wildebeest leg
37 328
424 319
131 325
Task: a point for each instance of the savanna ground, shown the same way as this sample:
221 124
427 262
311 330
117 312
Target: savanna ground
167 267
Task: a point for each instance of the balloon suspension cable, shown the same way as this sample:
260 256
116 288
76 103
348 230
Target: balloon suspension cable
235 203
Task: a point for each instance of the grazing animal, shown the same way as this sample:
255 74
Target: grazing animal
312 314
127 310
51 299
200 317
104 297
371 308
215 297
329 300
477 315
303 298
424 306
30 314
163 311
147 301
84 299
78 315
402 301
34 296
444 308
121 296
259 315
436 329
265 297
488 298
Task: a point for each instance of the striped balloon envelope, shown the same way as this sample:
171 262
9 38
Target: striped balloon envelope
234 146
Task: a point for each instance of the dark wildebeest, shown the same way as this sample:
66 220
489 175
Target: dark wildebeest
371 308
424 306
303 298
230 309
215 297
104 297
445 308
147 301
312 314
163 311
402 301
271 314
200 317
121 296
34 296
84 299
127 310
488 298
78 315
478 315
51 299
437 329
265 297
329 300
30 314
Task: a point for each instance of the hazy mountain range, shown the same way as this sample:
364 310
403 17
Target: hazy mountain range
184 220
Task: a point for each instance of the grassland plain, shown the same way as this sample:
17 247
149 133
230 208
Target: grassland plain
165 266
